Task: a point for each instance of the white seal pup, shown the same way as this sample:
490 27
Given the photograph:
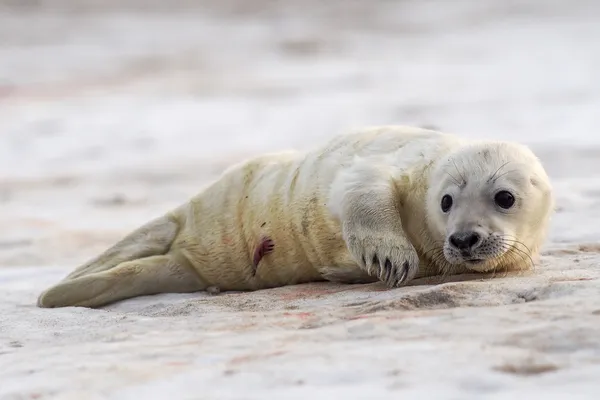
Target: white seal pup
385 203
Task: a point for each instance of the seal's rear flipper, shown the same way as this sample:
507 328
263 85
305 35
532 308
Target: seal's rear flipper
152 239
146 276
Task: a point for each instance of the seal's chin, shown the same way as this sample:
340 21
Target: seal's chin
478 264
472 262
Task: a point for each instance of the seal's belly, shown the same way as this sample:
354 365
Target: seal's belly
223 254
299 249
224 225
288 207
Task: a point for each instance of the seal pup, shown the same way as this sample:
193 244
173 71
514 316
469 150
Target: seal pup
384 203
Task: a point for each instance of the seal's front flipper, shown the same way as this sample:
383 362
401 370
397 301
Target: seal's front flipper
146 276
152 239
366 199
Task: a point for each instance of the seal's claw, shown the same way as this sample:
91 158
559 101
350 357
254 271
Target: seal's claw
391 262
404 274
389 268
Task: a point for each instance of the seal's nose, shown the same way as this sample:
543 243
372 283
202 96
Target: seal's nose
465 241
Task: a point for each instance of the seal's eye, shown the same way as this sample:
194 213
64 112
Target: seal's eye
504 199
446 203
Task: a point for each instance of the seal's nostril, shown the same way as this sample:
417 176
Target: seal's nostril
464 240
473 239
455 241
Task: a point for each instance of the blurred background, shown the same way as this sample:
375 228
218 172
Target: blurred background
114 111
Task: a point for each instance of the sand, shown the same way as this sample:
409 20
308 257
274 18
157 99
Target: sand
112 112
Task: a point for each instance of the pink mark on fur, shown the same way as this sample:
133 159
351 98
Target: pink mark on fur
265 247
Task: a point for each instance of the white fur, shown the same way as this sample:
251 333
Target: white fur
473 174
365 206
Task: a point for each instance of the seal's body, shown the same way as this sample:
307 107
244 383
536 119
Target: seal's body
364 207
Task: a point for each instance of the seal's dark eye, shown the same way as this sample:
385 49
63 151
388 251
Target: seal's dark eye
504 199
446 203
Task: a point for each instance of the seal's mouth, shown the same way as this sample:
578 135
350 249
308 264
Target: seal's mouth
469 259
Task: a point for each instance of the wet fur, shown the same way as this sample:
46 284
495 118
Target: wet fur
360 209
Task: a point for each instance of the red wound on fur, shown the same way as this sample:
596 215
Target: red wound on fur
265 247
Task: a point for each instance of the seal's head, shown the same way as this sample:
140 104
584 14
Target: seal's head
489 205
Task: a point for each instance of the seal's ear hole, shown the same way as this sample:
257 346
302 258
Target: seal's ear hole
541 185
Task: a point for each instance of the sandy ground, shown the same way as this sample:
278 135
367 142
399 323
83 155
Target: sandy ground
112 112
